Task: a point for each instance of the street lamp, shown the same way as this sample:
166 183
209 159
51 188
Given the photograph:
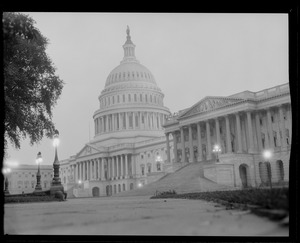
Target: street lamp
216 150
6 171
38 187
267 154
56 182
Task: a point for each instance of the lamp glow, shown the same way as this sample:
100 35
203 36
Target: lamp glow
140 185
267 154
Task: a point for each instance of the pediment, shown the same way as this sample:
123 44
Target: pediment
210 103
88 150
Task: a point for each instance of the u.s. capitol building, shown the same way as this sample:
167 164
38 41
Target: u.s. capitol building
137 140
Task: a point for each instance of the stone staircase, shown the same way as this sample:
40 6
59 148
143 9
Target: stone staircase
188 178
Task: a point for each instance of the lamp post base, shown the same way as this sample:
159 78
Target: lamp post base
37 190
55 188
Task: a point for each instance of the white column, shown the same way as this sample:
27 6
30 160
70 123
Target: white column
239 132
102 169
117 159
94 169
191 145
200 155
113 167
126 165
127 122
250 132
113 121
84 169
208 139
76 172
168 148
270 129
282 127
140 119
258 131
122 167
228 138
218 131
175 147
183 159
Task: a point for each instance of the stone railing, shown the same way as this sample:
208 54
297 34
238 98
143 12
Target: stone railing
277 90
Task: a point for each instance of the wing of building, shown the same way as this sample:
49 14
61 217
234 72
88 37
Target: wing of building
230 135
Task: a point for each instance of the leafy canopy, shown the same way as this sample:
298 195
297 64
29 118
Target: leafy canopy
31 88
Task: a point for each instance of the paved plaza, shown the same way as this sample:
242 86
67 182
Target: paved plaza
135 216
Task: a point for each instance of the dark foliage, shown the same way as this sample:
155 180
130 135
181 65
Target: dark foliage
31 88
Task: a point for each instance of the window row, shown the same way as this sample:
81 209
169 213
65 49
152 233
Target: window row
148 98
127 75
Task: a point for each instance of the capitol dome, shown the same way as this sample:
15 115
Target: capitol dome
129 71
131 103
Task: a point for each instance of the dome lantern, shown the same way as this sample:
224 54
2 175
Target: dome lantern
129 49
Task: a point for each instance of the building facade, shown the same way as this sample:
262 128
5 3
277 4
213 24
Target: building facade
22 179
243 126
128 148
137 140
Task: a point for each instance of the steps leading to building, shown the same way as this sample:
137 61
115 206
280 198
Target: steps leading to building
188 178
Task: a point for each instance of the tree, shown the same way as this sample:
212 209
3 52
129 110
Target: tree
31 88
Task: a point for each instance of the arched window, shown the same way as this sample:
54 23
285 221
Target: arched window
158 166
119 188
124 188
129 97
141 97
143 169
280 170
131 186
134 97
115 189
149 167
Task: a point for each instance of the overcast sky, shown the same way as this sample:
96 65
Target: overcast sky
190 55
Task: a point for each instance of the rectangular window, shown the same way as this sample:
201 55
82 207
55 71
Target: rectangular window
129 98
141 97
118 99
135 97
123 98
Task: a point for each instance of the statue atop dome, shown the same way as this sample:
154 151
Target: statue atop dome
128 31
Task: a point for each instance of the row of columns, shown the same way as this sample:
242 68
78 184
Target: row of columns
127 120
252 127
105 168
141 98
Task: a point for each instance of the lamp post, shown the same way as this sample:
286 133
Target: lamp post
6 171
216 150
38 187
56 182
267 154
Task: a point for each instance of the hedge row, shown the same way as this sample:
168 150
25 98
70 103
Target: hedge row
26 199
276 198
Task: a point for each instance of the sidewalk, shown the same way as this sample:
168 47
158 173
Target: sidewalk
135 216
